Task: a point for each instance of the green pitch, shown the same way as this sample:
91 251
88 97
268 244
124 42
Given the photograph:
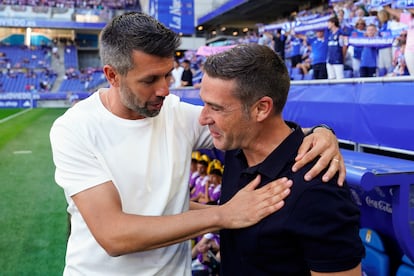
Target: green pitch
33 219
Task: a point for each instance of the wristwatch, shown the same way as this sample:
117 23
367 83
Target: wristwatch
321 125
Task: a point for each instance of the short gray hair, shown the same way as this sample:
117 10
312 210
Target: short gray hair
135 31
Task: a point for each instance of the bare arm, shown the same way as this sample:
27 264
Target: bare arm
197 206
394 12
352 272
301 36
121 233
322 142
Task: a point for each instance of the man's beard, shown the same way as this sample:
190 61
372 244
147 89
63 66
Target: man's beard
128 99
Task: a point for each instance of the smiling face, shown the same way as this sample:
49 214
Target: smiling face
230 126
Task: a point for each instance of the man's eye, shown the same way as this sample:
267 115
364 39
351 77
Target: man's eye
149 80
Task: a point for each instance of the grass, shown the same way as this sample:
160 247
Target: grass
33 215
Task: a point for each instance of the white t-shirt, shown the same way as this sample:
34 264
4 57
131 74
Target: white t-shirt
177 73
148 161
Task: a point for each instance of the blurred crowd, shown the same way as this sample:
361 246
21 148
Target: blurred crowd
343 39
346 39
205 187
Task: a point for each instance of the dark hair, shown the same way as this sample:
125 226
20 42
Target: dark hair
202 162
135 31
334 20
216 172
257 71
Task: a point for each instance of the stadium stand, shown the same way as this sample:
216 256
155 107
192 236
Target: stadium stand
376 261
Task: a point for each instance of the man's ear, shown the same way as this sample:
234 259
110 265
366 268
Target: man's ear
111 75
263 108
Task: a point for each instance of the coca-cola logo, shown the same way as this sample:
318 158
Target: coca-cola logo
379 204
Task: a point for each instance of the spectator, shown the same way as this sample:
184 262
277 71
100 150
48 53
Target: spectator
319 49
336 50
406 18
295 45
177 74
198 76
400 67
305 65
359 31
213 183
199 187
266 38
369 54
384 54
206 255
187 75
195 156
279 40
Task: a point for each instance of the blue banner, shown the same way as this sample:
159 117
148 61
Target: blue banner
177 15
311 27
37 23
229 5
380 3
404 4
380 42
17 103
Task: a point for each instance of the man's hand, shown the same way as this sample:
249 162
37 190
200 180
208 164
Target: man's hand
249 206
322 142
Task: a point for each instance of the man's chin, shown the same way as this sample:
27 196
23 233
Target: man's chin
149 113
218 145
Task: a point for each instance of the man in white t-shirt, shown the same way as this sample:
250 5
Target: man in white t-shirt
122 157
176 73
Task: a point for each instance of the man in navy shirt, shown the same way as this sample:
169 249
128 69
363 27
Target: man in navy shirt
336 50
319 46
187 76
369 55
317 230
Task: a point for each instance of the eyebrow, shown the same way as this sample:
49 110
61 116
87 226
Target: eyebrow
157 76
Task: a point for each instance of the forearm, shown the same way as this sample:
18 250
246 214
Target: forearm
119 233
132 233
393 12
198 206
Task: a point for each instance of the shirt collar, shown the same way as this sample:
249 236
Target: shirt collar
276 161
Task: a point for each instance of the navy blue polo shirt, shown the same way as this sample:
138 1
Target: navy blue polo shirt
335 54
317 229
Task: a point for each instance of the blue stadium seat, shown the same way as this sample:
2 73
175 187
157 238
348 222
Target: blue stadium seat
376 261
406 268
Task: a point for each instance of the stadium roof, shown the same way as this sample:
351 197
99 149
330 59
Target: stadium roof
249 13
